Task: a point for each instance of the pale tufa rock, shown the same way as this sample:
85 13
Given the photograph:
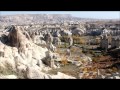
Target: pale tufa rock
8 77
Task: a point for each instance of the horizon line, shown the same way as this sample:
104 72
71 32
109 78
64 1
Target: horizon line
58 14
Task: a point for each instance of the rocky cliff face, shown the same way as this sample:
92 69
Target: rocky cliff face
20 55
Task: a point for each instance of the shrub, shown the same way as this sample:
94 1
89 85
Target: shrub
78 40
97 55
84 51
65 45
64 61
114 69
92 52
95 59
73 49
104 53
82 41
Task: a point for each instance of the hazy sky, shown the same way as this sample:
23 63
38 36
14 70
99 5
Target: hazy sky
82 14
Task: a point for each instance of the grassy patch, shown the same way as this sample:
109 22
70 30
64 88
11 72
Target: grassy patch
69 69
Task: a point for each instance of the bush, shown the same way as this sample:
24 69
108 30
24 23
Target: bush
95 59
114 69
62 46
65 45
104 53
97 55
82 41
64 61
84 51
73 49
79 40
92 52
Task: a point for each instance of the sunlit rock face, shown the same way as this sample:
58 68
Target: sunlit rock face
20 51
21 55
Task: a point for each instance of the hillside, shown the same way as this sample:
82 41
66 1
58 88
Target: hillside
39 18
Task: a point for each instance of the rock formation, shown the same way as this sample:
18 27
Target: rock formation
21 55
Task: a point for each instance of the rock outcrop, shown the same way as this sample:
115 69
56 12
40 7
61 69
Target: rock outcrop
20 55
8 77
35 73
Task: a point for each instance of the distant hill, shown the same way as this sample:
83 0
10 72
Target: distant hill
39 18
